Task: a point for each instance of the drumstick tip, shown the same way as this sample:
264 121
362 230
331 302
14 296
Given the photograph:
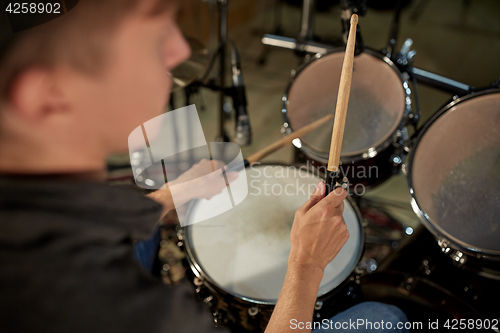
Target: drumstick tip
354 19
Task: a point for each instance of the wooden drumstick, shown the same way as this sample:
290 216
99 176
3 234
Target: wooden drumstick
281 143
287 139
341 109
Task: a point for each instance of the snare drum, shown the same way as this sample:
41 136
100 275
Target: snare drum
239 259
454 179
379 109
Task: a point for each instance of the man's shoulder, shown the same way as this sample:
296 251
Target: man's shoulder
79 300
75 208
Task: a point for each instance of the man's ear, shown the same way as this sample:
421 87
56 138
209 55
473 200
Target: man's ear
35 94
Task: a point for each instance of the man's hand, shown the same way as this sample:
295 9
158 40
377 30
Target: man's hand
199 182
319 230
318 233
205 185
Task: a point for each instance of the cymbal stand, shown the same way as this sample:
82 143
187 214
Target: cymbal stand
404 61
347 8
222 135
393 35
304 42
219 83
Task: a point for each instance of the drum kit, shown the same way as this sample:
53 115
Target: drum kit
449 268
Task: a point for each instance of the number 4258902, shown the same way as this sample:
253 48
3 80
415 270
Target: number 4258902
32 8
455 324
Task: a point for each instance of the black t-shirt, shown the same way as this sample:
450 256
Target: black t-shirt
67 265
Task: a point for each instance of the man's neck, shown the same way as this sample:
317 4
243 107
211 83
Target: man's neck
65 163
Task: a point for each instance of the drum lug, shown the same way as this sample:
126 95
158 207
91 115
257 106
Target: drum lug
471 292
444 246
408 284
285 129
202 292
372 152
317 307
396 160
165 268
404 134
253 311
400 138
425 267
355 279
459 258
220 318
350 292
413 118
208 300
368 266
198 281
404 169
180 234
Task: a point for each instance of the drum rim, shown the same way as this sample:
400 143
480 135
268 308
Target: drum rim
442 236
198 271
377 147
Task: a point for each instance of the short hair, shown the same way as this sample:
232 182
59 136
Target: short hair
78 39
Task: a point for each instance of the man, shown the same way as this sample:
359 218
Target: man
71 91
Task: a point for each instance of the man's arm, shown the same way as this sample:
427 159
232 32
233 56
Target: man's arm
318 233
297 298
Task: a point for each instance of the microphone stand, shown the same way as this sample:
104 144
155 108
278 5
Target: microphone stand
222 134
304 42
393 35
404 61
347 8
236 91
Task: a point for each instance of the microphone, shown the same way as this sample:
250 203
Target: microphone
243 132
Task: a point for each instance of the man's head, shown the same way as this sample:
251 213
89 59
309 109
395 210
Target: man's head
83 82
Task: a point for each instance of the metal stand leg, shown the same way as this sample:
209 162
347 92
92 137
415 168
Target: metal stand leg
222 135
276 30
307 22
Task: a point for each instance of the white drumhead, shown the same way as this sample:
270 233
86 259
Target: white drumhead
245 250
454 174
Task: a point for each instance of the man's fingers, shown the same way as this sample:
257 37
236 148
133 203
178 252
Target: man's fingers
332 204
339 209
318 194
218 164
335 198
